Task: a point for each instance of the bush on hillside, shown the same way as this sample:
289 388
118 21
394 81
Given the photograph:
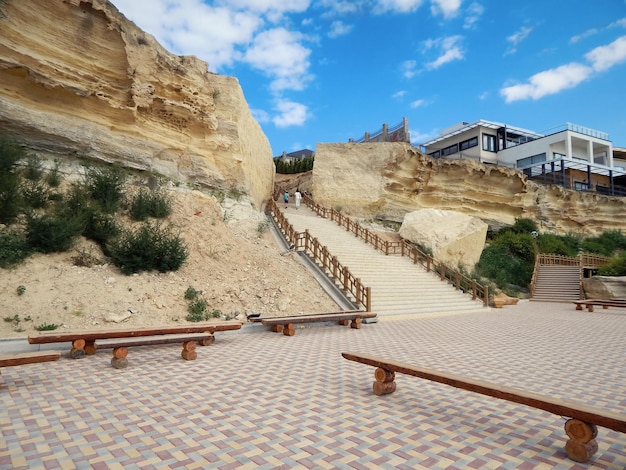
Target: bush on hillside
106 186
52 233
615 267
151 247
607 244
148 203
10 203
13 248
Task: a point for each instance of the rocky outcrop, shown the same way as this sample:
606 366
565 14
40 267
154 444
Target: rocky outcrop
388 180
455 239
79 79
605 287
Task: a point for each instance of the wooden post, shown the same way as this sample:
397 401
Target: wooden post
384 384
582 440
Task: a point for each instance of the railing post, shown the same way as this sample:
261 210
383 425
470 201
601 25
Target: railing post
368 301
346 279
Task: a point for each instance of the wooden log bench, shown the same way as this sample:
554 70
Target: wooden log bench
18 359
286 325
580 427
84 342
604 303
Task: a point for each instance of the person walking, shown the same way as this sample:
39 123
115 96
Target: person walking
286 199
298 198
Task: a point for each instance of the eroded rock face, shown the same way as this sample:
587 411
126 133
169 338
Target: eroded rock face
605 287
78 78
455 239
388 180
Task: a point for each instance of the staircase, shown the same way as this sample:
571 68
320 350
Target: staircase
398 286
557 283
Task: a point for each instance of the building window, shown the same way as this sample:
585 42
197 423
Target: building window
528 161
466 144
435 154
580 186
489 142
450 150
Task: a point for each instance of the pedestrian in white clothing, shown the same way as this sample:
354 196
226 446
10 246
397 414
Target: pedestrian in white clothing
298 198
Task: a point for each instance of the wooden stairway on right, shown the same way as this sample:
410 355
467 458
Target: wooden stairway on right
557 283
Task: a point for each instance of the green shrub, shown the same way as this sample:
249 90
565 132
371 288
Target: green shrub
47 327
615 267
77 202
48 234
101 228
558 244
147 203
33 170
14 248
197 310
191 293
106 186
607 244
147 248
35 195
10 204
53 177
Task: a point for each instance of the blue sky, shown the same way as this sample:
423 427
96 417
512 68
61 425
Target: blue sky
329 70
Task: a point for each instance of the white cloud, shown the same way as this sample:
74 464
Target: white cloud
290 113
448 48
516 38
279 54
398 94
339 28
396 6
409 68
604 57
472 15
446 8
418 103
548 82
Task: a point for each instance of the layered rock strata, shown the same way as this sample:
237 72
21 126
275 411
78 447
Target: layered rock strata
77 78
388 180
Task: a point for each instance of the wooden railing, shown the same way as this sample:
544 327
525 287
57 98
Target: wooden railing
303 241
402 248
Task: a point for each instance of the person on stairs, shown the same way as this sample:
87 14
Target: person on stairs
298 198
286 199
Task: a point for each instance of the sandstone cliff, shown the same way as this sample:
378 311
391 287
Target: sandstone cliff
388 180
77 78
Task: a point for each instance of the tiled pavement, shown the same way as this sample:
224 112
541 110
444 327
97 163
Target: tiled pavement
257 399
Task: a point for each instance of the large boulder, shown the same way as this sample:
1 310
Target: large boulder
605 287
455 239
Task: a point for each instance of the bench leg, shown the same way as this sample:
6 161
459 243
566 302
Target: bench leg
579 307
78 349
207 342
277 328
289 329
356 323
590 308
343 322
384 384
189 351
90 347
119 360
582 440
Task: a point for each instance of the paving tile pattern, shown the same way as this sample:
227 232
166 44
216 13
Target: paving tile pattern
261 400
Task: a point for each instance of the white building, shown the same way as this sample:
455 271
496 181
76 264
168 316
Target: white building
573 156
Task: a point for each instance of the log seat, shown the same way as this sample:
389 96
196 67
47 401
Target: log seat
580 427
286 325
604 303
84 341
32 357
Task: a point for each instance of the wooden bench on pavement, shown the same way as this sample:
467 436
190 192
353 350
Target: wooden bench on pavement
84 342
580 428
18 359
287 324
604 303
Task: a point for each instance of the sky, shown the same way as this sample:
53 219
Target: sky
325 71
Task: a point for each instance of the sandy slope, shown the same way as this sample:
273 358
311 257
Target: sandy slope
238 270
